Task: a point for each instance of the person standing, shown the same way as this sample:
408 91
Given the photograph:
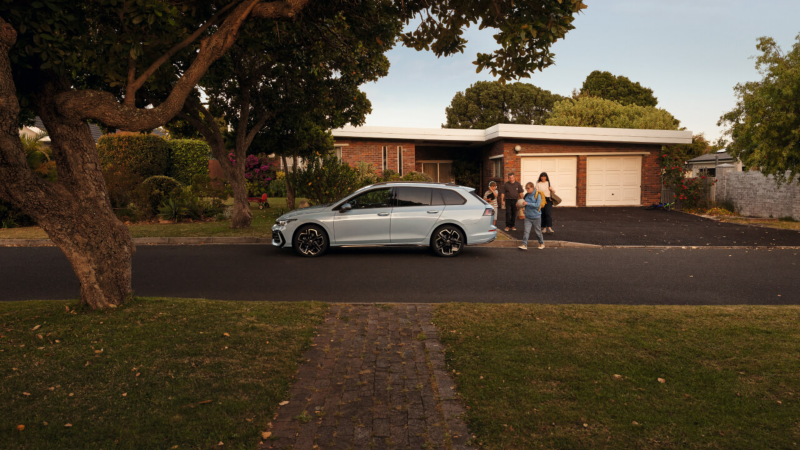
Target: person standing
512 191
491 198
533 215
543 186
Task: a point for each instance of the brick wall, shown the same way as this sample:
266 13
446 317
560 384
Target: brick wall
651 171
755 195
371 152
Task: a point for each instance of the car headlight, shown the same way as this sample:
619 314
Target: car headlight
284 222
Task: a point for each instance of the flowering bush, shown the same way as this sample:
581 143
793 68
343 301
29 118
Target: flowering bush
692 192
259 171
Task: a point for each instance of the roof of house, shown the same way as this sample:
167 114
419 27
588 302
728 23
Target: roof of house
720 156
514 131
94 129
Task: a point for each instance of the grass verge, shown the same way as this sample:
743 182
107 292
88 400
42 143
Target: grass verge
155 373
782 224
582 376
263 219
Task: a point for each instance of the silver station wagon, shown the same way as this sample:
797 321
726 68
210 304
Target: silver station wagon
445 216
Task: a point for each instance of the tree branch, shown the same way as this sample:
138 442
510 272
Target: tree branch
279 9
139 82
256 128
103 107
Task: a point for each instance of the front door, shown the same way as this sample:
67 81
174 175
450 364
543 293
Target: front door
413 216
369 220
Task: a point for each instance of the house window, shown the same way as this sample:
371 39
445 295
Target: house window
338 151
497 168
400 160
439 171
385 158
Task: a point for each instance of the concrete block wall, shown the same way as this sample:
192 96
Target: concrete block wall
756 195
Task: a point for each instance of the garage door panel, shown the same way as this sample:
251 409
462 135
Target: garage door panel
613 180
563 173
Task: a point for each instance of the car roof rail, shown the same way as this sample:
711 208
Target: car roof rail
412 182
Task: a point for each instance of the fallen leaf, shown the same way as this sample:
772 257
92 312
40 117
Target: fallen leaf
266 434
69 425
124 394
220 444
586 425
226 334
617 376
780 402
634 423
99 351
285 402
36 327
26 394
45 423
20 427
661 380
205 401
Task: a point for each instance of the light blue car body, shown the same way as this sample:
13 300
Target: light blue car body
391 225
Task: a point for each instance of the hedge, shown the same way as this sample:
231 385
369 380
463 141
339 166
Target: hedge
188 158
143 154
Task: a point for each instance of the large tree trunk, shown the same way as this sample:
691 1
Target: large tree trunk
242 216
289 186
75 212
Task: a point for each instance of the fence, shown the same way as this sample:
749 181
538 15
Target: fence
668 195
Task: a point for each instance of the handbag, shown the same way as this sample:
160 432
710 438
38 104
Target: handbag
556 199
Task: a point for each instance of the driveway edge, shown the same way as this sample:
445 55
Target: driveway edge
151 241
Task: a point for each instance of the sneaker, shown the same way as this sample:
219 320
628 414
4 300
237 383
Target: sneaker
506 228
541 246
514 228
523 247
552 231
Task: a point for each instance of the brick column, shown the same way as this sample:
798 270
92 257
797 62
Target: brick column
581 184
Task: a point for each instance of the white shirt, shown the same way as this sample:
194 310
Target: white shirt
544 188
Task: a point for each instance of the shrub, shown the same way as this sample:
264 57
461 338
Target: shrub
416 176
467 173
259 170
205 187
185 203
277 188
691 192
144 154
120 184
366 173
153 192
188 158
324 180
390 175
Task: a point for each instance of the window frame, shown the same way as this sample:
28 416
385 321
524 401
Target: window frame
384 158
400 160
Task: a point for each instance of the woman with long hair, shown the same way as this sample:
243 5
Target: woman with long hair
543 186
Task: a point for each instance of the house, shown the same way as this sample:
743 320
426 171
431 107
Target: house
38 127
706 165
587 166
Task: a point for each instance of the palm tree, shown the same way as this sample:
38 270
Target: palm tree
35 151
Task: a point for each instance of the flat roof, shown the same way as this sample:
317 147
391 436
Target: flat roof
513 131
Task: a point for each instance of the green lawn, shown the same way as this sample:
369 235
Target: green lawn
261 226
155 373
587 377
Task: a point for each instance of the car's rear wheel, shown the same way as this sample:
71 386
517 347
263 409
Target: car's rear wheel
310 241
447 241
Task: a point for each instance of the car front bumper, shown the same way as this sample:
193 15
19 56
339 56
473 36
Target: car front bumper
278 240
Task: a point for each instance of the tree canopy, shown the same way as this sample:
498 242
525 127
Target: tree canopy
487 103
618 88
598 112
764 127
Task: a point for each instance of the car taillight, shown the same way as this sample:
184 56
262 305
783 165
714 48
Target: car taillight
488 212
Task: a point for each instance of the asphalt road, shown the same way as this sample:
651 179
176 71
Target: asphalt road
262 272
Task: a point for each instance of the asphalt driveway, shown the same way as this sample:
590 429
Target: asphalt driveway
637 226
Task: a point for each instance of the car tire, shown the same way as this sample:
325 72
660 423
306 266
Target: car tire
310 241
447 241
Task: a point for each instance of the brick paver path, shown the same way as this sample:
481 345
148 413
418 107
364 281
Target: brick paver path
375 379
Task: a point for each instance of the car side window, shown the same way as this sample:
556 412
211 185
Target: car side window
412 196
437 199
452 197
376 198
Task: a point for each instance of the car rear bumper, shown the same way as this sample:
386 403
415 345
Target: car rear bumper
482 238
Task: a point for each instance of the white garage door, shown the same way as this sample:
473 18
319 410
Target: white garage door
563 173
613 180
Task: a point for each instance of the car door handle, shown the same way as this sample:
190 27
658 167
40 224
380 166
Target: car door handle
383 214
432 212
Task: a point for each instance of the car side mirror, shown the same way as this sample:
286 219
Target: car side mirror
345 207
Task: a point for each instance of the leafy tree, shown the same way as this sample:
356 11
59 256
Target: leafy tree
132 66
597 112
487 103
324 180
618 88
699 146
764 127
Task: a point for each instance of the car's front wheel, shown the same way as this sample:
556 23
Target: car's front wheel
310 241
447 241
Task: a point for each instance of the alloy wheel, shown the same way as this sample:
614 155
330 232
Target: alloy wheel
311 242
448 242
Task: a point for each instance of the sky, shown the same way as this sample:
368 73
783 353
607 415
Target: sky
690 52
